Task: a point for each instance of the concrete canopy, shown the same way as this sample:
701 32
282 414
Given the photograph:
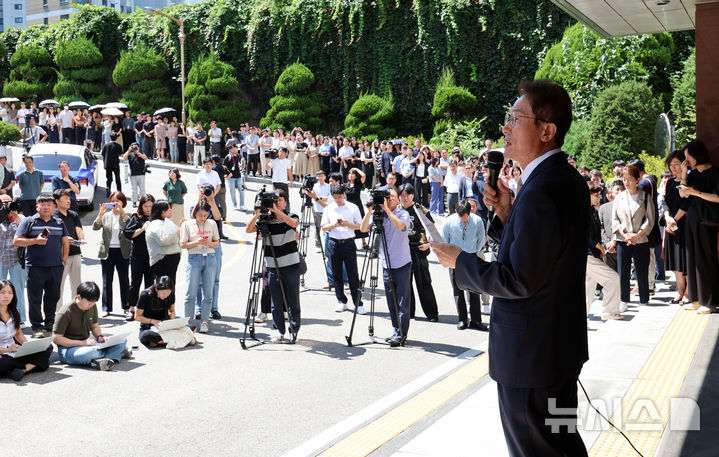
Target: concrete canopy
611 18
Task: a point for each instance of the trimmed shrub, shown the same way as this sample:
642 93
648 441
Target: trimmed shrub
83 76
622 124
370 117
140 74
452 103
9 133
295 105
212 94
32 76
577 140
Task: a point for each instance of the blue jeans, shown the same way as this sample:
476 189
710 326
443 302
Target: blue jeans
402 277
216 285
17 278
83 355
200 271
140 142
174 155
232 184
436 203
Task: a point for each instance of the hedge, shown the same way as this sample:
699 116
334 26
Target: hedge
295 104
80 56
369 118
33 74
140 74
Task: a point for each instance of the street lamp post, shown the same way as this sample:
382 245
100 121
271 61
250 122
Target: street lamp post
181 36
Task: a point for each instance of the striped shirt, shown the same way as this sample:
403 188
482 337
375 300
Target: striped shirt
284 242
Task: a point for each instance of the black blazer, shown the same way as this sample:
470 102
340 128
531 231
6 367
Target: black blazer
538 331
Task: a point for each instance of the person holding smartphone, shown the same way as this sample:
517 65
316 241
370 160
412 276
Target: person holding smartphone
48 245
114 253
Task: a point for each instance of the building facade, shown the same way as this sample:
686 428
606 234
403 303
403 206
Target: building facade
54 11
12 14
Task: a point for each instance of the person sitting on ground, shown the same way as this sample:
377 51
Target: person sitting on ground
157 304
11 337
73 325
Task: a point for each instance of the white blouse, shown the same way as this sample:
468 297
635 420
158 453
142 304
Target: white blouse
7 333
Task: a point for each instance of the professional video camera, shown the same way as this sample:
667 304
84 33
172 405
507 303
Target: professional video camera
378 196
271 153
265 200
309 182
208 189
27 118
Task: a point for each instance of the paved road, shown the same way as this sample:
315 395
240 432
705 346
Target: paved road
215 398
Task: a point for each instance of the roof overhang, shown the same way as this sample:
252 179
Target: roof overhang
611 18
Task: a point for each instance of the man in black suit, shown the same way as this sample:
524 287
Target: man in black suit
111 153
538 330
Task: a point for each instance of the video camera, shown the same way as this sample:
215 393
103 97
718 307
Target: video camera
265 200
271 153
309 182
377 197
5 209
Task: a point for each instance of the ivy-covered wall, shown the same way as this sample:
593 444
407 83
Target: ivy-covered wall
352 46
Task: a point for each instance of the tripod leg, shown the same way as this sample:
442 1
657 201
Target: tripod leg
253 294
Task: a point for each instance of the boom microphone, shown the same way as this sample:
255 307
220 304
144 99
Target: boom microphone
495 161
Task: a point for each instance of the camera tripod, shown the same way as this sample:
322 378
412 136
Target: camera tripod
262 239
308 217
371 265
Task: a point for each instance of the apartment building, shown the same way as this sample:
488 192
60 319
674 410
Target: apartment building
53 11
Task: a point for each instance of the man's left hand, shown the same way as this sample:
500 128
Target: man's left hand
446 253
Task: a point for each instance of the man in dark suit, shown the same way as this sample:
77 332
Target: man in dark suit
111 153
538 331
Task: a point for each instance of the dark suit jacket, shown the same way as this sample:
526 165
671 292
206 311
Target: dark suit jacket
9 176
538 331
111 153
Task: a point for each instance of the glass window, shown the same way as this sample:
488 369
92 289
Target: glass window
18 20
50 161
45 21
64 16
18 6
44 3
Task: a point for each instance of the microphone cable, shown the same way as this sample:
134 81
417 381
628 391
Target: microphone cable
607 420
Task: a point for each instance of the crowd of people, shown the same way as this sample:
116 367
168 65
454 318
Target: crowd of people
642 226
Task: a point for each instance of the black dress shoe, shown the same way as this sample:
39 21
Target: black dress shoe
482 327
461 325
432 319
215 315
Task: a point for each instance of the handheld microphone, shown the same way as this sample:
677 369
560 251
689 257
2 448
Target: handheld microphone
495 161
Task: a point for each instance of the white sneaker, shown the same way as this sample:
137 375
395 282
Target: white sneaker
341 307
361 310
277 337
287 317
204 328
616 316
260 318
693 306
623 306
23 325
318 250
706 309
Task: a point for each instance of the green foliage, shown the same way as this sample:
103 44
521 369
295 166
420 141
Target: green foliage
684 109
451 102
585 63
653 165
295 104
32 76
577 140
212 93
140 73
83 74
622 124
370 118
9 133
468 135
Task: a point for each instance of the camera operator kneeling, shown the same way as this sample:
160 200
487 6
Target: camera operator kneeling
157 304
397 260
281 227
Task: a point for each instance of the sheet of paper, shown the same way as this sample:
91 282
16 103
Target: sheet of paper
170 228
429 228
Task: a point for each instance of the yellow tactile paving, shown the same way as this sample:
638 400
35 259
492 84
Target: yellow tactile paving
658 382
372 436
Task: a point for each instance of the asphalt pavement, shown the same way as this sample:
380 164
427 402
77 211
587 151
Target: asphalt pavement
216 398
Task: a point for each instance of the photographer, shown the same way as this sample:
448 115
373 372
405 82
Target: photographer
419 248
395 221
341 219
136 160
222 192
234 163
32 134
320 193
281 168
282 229
111 153
209 183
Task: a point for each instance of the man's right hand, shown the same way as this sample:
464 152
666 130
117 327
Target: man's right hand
499 199
90 341
41 240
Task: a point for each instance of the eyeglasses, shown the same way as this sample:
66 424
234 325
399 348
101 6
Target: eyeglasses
512 118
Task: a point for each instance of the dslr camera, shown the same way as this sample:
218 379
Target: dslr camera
208 189
271 153
5 209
